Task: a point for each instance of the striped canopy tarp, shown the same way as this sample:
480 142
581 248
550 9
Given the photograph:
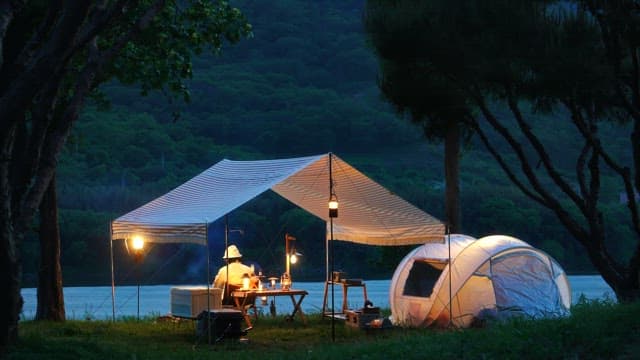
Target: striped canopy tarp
368 213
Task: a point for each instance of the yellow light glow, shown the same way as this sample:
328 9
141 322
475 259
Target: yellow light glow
245 282
333 204
137 243
293 259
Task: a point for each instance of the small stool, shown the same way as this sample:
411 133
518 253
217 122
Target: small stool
346 284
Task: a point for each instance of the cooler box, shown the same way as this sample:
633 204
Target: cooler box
190 301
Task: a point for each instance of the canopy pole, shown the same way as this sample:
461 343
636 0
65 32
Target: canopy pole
326 253
226 249
450 292
333 306
206 237
113 283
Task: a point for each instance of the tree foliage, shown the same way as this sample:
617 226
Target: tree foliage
315 92
575 60
53 56
246 104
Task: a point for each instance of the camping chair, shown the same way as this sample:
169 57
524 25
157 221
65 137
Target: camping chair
249 301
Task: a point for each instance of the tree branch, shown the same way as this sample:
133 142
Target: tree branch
84 85
635 147
623 172
8 10
42 117
50 59
580 168
544 157
503 164
100 17
142 23
594 185
517 148
38 38
543 196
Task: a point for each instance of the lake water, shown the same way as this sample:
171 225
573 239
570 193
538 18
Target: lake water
95 302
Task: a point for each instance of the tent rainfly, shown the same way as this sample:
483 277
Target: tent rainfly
369 213
493 277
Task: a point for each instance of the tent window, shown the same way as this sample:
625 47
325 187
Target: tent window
422 278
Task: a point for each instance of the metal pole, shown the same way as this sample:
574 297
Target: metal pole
226 247
138 261
206 236
333 307
326 252
450 294
138 291
113 286
288 252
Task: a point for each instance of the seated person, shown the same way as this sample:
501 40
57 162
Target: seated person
236 272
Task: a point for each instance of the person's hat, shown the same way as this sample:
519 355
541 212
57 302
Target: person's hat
233 253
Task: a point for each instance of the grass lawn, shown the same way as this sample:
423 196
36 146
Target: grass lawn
595 330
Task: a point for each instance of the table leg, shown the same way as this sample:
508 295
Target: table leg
297 308
364 288
345 289
324 300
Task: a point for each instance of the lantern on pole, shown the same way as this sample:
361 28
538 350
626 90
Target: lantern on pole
291 256
137 244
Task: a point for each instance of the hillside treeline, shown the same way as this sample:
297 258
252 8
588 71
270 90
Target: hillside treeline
304 84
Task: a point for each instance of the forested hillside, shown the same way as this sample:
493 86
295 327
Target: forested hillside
304 84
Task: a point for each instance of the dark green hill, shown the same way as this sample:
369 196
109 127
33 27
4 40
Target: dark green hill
304 84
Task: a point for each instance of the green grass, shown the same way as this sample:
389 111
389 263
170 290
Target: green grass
596 330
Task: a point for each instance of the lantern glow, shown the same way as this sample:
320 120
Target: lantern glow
333 206
245 282
137 243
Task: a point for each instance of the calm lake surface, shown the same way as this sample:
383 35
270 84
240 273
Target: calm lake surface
95 302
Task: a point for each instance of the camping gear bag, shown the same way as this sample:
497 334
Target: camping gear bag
224 323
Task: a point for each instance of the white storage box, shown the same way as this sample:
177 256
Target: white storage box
190 301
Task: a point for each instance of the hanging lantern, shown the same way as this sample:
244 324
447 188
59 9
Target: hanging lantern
333 206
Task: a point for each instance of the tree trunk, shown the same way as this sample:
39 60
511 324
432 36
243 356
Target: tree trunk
50 295
452 176
628 292
10 285
10 268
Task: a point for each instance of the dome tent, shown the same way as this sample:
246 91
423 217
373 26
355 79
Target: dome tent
497 276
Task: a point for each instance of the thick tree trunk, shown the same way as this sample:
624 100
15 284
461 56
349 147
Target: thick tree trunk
624 280
50 294
452 176
10 265
629 291
10 286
